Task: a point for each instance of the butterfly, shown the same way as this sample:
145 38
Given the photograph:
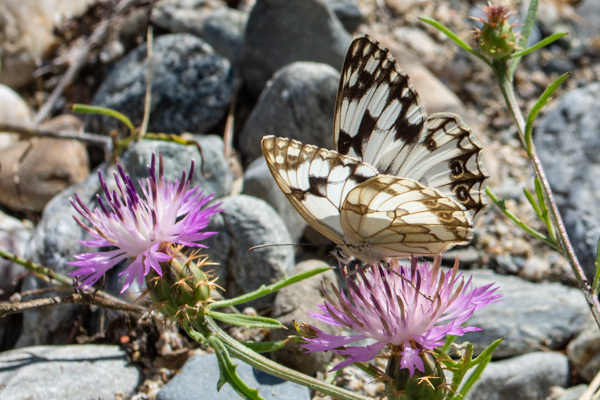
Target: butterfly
397 182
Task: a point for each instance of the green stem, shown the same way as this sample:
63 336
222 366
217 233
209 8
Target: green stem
46 274
272 368
508 92
52 277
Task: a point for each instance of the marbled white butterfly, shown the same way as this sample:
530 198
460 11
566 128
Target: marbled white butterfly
398 182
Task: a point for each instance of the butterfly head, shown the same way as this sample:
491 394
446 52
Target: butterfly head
347 253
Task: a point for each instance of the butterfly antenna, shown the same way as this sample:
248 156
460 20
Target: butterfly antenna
262 246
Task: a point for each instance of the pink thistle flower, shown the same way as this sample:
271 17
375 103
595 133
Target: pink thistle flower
143 226
410 309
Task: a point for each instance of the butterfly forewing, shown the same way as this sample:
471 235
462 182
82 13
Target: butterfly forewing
314 180
376 107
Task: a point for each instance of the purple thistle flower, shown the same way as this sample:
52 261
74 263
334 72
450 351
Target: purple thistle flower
141 227
411 309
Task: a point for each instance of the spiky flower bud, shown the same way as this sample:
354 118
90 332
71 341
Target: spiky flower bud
305 330
183 288
402 385
496 37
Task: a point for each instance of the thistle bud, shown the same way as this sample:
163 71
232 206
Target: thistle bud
496 37
305 330
429 384
182 289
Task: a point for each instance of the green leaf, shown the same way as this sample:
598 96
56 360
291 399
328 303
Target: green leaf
539 45
194 334
228 372
533 202
262 363
539 104
489 350
539 191
501 204
246 321
461 367
524 35
266 290
452 36
265 347
481 361
87 109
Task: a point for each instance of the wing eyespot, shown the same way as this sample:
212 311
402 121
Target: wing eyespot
456 168
462 193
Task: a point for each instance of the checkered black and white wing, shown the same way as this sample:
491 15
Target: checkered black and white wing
376 110
379 120
315 180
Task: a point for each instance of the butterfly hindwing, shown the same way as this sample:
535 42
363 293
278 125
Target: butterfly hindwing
447 158
389 216
315 180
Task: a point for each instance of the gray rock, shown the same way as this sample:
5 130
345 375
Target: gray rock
528 377
292 304
217 177
68 373
259 182
14 234
245 222
179 16
401 7
567 140
200 375
224 30
528 317
220 26
347 12
280 32
584 352
191 87
298 103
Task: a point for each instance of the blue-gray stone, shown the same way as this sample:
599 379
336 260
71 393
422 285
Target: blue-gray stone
568 145
211 170
74 372
529 316
191 87
246 222
298 104
198 379
279 32
528 377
